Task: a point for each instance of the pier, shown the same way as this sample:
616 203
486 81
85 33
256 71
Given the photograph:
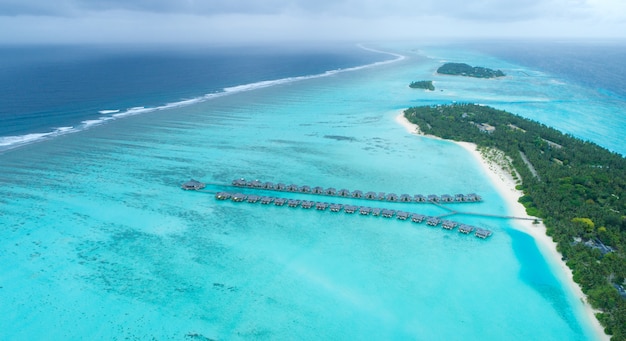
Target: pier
352 210
357 194
388 213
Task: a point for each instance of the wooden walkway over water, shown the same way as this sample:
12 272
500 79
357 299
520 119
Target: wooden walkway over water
357 194
352 209
272 188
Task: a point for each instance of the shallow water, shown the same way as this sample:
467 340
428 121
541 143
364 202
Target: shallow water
99 241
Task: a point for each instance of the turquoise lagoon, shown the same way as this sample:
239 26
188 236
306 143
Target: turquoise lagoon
99 241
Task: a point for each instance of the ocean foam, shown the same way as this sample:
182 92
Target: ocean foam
106 112
9 142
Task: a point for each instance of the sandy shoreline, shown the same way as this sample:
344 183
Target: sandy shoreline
505 186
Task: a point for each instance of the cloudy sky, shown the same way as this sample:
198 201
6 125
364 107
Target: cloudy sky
305 20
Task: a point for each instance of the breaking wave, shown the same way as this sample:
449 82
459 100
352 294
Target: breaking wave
10 142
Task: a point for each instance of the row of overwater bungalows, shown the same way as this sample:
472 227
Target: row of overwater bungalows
352 209
358 194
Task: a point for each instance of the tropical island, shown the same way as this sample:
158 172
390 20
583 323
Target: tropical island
462 69
577 188
426 85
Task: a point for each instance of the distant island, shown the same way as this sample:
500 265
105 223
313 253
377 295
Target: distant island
577 187
427 85
462 69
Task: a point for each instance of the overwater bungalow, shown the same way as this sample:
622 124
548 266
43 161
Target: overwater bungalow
253 198
387 213
279 201
459 197
417 218
392 197
330 191
463 228
292 188
433 221
321 206
402 215
364 210
343 193
223 195
293 202
255 184
405 198
381 196
473 197
336 207
280 187
193 185
240 182
357 194
419 198
268 185
370 195
447 198
317 190
482 233
350 209
376 211
266 200
307 204
449 224
433 198
305 189
238 197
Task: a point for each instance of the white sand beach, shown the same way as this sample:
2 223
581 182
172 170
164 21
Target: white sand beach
505 185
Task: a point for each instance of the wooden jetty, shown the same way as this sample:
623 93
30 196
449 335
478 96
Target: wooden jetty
351 209
346 193
239 197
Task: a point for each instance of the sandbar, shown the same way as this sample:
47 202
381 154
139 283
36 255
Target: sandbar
504 184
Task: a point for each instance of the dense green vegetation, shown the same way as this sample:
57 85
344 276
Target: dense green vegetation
428 85
462 69
578 188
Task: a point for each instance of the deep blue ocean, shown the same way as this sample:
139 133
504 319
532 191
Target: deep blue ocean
98 241
48 90
52 90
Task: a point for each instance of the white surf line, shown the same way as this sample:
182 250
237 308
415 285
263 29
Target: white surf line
399 57
11 142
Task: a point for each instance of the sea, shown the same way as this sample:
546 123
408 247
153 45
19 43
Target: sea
99 241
